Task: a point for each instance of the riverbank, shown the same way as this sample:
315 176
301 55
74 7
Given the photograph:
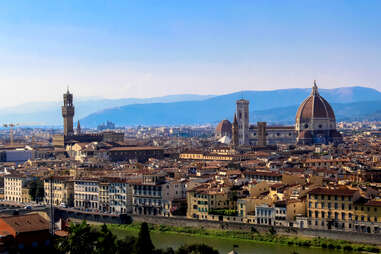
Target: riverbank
255 237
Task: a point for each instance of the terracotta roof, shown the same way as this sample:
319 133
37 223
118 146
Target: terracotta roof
26 223
333 192
224 127
314 106
376 203
135 148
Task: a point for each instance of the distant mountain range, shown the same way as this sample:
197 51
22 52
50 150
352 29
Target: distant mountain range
276 107
49 113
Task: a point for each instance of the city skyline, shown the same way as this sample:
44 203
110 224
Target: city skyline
150 49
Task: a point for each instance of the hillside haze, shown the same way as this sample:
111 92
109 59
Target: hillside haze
277 106
49 113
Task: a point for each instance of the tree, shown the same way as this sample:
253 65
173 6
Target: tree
196 249
81 239
126 246
144 244
106 241
36 189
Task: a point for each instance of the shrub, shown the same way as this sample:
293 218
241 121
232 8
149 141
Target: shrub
348 248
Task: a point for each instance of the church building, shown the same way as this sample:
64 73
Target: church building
315 124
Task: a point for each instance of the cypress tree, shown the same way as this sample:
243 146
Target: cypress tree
144 244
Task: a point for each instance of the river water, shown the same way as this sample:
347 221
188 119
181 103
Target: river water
163 240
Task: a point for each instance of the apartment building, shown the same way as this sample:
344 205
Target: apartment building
62 190
331 208
203 200
120 196
367 216
104 197
16 188
86 194
154 195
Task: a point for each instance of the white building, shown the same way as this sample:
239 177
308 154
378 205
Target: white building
86 194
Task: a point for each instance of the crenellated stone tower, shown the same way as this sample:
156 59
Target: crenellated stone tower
68 113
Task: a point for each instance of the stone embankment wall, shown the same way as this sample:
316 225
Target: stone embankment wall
184 222
295 232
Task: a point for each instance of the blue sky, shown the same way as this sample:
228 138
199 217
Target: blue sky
142 48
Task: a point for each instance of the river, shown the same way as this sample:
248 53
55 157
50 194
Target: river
163 240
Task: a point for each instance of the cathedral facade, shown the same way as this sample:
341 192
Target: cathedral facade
315 124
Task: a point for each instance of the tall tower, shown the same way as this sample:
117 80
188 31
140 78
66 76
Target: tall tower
68 113
242 113
235 132
78 128
261 130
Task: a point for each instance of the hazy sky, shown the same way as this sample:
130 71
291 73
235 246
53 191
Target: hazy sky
144 48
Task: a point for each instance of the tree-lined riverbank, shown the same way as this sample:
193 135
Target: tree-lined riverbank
250 237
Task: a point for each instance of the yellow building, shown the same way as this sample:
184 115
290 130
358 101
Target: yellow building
202 200
15 188
331 208
209 156
62 190
295 208
367 216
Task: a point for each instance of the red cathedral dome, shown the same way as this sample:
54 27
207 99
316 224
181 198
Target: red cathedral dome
224 128
313 107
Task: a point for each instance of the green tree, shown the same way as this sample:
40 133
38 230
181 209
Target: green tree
36 190
126 246
106 241
197 249
81 239
144 244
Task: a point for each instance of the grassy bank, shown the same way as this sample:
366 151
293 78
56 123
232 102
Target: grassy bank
251 236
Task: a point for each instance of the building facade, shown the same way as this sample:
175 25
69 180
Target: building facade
16 188
62 191
86 194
